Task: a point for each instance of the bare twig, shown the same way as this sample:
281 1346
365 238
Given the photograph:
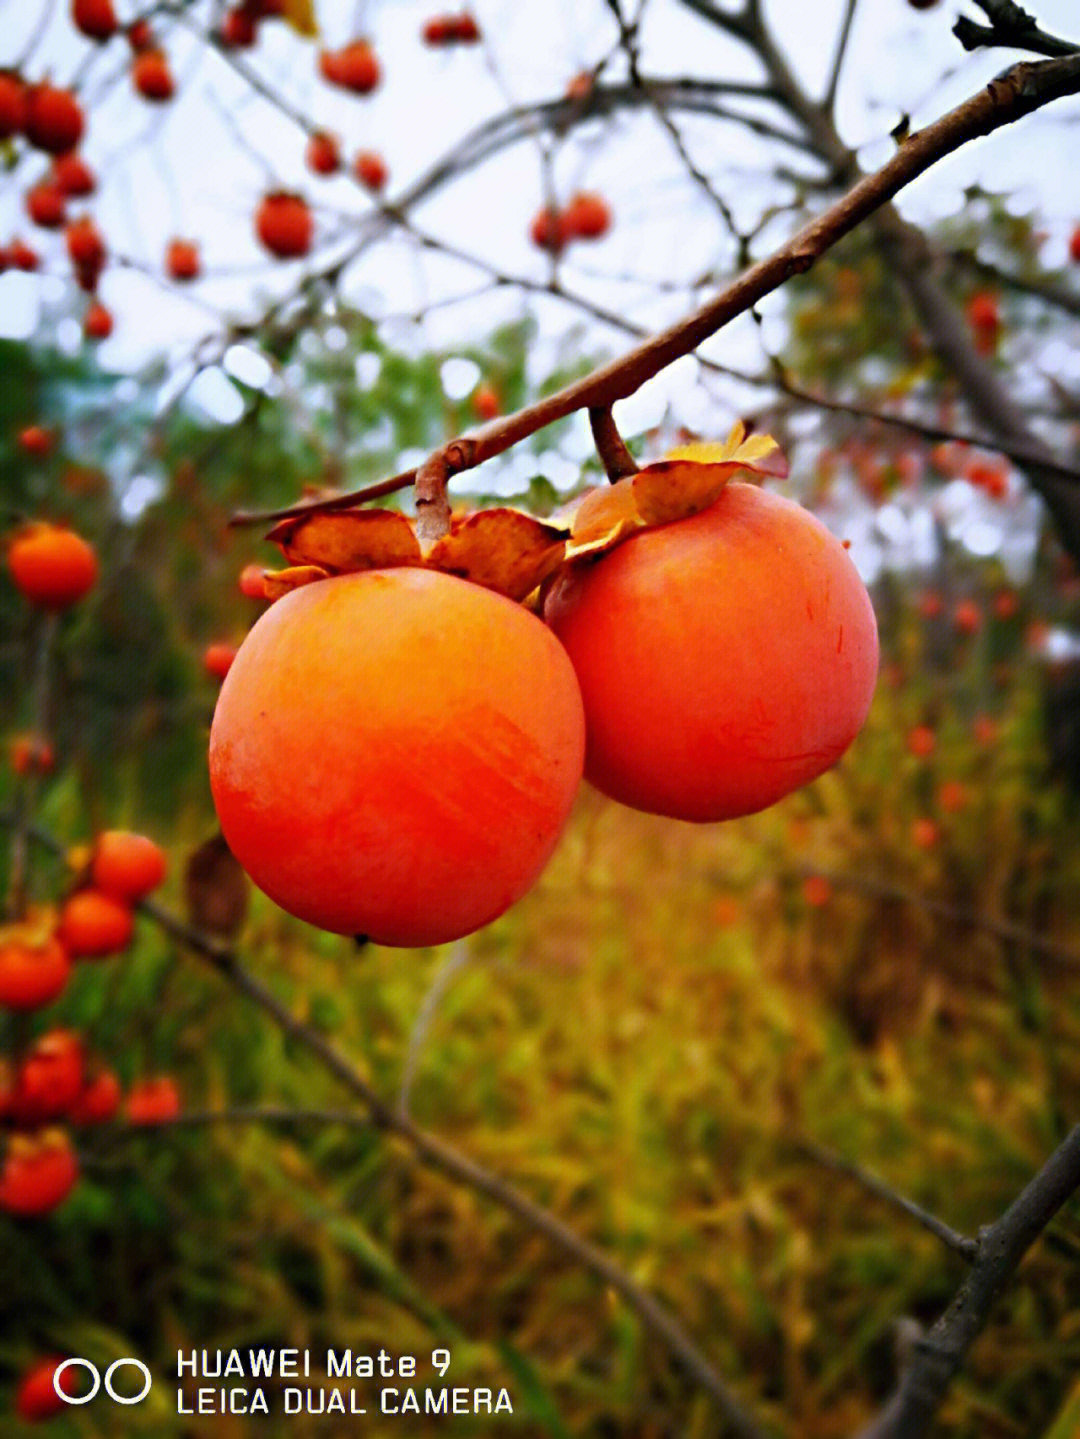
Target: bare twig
1023 88
938 1354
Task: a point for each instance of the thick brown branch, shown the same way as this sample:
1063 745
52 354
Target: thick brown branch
1020 90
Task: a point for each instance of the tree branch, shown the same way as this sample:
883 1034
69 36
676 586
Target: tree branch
938 1355
1023 88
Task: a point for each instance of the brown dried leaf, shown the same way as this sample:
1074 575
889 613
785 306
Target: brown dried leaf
603 518
673 489
281 582
348 540
504 550
216 889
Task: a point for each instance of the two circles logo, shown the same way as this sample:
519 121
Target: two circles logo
96 1381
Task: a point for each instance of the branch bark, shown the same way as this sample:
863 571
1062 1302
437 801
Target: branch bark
938 1355
1019 91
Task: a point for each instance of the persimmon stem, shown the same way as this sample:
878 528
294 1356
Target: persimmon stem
432 505
616 459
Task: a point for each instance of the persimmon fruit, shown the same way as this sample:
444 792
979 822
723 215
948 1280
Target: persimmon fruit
94 924
371 170
49 1078
152 76
97 322
724 659
323 154
12 104
31 754
36 440
218 658
395 753
152 1099
284 225
98 1100
587 216
52 566
35 1395
354 67
46 204
1074 246
38 1173
31 973
182 260
127 866
96 19
54 119
73 175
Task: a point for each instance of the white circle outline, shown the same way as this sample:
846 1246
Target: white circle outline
138 1398
70 1398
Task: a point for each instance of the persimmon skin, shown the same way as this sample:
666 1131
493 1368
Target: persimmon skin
52 566
395 754
30 975
94 924
724 660
127 866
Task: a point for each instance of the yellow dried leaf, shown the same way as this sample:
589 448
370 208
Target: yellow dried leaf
348 540
300 14
280 582
503 549
603 518
36 927
674 489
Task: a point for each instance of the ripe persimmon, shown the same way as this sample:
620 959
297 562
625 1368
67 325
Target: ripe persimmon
35 1395
98 1100
724 659
95 18
38 1173
152 76
587 216
323 154
218 658
126 865
45 204
93 924
51 566
73 175
370 169
49 1078
97 322
85 244
21 256
33 969
182 260
152 1099
354 67
12 104
31 754
485 402
1074 246
439 730
284 225
54 119
548 230
36 440
239 29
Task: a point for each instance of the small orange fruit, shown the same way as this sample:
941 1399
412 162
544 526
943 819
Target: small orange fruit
127 866
52 566
93 924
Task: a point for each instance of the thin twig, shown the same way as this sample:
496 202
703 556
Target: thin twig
938 1354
